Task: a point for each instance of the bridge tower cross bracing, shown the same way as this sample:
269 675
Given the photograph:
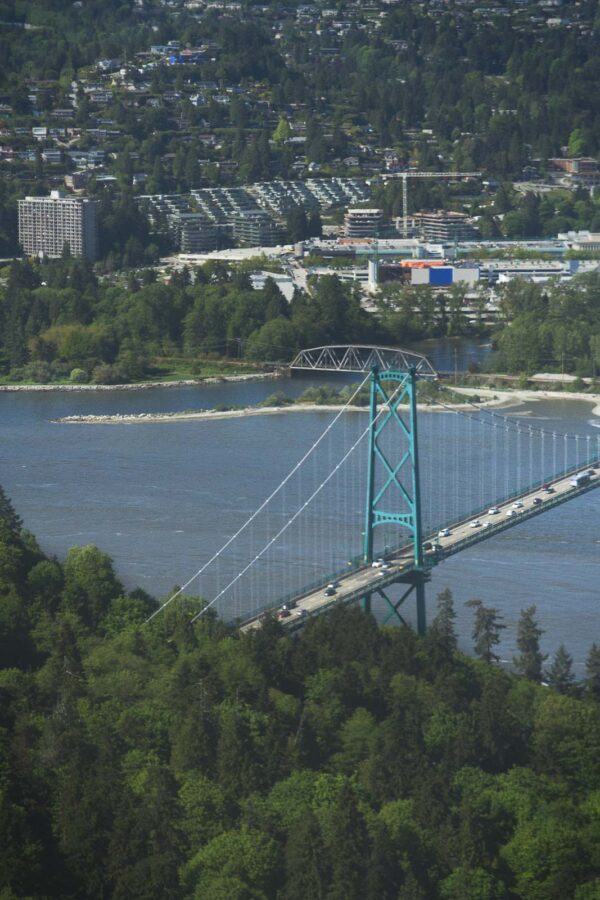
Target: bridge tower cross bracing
406 490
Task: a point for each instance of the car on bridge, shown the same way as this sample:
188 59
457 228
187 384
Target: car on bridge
493 511
434 548
445 532
475 523
330 591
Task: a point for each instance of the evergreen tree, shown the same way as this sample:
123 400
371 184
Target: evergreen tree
486 630
592 671
441 634
306 870
348 849
560 674
529 663
8 514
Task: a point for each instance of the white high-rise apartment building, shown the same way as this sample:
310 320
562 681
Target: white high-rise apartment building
47 224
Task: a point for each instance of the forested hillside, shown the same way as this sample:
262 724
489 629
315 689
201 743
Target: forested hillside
351 763
279 91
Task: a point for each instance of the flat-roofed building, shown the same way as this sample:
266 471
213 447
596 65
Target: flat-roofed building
445 226
49 224
362 222
256 229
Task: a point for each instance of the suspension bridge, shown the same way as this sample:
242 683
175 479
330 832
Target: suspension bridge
385 492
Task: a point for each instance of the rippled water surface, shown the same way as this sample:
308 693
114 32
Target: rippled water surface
161 498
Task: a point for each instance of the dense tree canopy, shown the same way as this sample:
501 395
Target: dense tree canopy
350 762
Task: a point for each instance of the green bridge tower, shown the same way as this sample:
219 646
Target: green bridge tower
398 479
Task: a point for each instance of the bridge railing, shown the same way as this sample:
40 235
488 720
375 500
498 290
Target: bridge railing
536 485
497 527
353 564
357 562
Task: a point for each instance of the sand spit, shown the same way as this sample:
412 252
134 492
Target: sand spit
195 415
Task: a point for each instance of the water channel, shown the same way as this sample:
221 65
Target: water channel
160 498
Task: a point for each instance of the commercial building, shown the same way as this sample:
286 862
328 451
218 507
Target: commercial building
362 222
445 227
49 224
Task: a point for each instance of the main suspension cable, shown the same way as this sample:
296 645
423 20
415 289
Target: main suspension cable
273 494
300 510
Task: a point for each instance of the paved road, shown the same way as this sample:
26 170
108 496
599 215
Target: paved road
461 535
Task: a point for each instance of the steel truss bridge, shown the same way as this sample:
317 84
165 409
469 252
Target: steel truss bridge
558 467
357 358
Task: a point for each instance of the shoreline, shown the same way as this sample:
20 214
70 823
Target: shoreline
143 385
211 414
518 396
491 399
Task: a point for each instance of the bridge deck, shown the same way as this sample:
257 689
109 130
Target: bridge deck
463 534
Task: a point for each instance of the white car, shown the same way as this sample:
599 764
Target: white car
475 523
378 564
517 505
511 512
486 524
445 532
493 511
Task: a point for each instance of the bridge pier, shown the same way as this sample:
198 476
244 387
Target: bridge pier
413 583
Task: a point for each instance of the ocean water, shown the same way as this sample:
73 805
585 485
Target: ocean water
162 498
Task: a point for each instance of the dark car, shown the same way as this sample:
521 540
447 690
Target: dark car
329 592
537 501
283 613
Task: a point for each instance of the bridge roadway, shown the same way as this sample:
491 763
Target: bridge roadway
462 534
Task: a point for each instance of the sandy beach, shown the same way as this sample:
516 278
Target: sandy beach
514 397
